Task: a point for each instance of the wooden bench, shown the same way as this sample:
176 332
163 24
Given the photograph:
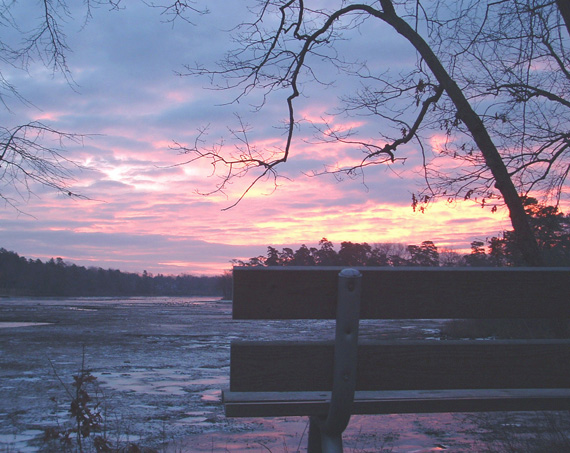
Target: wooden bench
330 380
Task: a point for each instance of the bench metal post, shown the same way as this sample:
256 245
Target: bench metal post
329 431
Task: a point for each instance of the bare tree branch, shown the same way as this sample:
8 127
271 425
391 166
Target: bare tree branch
33 153
25 160
280 57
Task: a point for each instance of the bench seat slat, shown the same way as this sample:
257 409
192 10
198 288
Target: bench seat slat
281 404
403 365
404 293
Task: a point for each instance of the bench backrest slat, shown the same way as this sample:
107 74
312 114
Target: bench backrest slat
403 365
404 293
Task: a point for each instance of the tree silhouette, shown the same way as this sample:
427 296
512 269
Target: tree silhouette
22 277
487 95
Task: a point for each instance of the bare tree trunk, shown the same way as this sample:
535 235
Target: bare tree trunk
523 232
564 8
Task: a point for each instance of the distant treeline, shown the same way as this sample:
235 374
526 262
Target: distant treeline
55 278
25 277
552 230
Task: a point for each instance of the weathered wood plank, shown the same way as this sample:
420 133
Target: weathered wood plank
404 293
403 365
279 404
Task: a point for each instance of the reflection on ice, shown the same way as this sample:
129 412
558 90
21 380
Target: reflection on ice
8 325
212 396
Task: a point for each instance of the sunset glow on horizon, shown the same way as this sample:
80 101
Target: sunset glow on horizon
145 211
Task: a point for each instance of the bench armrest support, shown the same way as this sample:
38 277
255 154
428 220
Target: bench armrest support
345 361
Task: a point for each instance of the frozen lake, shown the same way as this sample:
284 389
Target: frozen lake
160 365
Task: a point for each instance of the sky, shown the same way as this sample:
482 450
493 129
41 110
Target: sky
142 211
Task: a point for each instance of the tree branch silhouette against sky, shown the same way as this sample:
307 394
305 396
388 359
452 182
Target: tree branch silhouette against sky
365 107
